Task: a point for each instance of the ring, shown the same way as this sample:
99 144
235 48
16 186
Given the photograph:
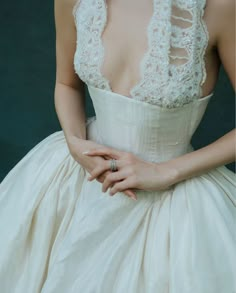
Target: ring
113 165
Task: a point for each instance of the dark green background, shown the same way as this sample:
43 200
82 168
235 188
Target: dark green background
27 74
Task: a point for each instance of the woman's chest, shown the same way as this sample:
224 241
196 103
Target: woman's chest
125 42
139 50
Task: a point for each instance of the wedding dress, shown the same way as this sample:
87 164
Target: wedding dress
61 234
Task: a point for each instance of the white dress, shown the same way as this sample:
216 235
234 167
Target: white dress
61 234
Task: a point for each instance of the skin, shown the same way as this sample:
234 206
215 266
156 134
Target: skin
134 173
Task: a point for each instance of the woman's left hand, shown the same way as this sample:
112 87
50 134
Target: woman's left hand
132 173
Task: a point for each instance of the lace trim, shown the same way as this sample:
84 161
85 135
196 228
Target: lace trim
205 29
191 73
75 8
159 48
173 68
88 56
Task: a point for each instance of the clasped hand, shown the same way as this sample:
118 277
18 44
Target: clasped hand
133 172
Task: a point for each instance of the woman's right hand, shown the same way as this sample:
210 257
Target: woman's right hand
77 146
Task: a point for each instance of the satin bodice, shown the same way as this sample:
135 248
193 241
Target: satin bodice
153 133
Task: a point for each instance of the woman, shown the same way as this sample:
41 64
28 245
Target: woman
169 224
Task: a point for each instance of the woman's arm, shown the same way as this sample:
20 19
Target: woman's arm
218 153
69 89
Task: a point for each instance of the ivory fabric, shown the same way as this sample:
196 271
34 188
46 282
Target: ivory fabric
60 234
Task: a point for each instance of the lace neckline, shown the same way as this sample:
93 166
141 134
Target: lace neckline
172 69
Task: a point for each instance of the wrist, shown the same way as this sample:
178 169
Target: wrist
170 175
73 139
180 169
75 144
174 172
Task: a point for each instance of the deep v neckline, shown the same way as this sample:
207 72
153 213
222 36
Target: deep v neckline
163 81
143 59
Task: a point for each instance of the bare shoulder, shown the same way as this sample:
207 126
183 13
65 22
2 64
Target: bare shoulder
66 5
220 15
64 13
220 18
221 8
65 41
66 2
222 4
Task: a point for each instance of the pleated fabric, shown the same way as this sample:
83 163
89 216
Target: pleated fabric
60 233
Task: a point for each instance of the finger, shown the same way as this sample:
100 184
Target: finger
131 194
103 152
99 170
96 174
102 177
107 157
111 179
120 186
128 192
106 166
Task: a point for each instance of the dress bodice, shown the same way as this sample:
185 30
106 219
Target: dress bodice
151 132
172 69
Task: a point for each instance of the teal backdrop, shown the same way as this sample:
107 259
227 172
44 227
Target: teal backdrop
27 77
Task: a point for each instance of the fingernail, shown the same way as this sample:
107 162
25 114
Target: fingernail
85 153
